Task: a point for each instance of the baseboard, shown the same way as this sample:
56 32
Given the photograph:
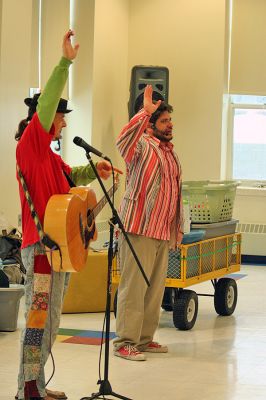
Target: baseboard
252 259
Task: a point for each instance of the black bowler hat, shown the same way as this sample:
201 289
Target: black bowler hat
32 102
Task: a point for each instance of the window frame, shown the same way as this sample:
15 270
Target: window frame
231 113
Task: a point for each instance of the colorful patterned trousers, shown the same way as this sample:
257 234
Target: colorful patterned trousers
44 293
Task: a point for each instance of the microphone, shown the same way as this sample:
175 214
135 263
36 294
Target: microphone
88 148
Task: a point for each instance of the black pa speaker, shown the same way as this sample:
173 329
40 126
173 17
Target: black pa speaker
141 76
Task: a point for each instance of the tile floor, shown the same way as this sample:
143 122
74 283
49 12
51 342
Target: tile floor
221 358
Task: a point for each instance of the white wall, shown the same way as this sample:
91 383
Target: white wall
55 22
110 84
98 77
15 61
99 81
80 82
110 73
248 47
188 37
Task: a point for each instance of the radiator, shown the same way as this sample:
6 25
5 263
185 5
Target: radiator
253 238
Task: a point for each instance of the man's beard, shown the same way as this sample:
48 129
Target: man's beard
162 135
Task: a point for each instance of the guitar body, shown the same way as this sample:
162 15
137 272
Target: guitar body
70 222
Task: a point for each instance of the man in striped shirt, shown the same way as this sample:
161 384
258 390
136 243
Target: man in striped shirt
152 216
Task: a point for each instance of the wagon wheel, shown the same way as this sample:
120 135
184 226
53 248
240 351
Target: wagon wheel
115 302
169 297
185 310
225 296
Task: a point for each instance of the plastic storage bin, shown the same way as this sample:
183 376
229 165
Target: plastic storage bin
216 229
210 201
9 306
193 236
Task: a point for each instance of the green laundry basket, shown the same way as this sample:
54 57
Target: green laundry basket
210 201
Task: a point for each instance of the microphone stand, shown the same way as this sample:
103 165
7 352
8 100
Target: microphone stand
105 386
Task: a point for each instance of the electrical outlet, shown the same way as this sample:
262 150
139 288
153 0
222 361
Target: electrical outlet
19 219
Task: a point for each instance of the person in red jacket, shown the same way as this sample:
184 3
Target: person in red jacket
45 174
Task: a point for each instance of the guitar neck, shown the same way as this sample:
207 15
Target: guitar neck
103 201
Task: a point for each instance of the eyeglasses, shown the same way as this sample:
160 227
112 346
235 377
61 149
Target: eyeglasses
165 120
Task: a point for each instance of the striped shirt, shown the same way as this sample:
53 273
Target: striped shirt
164 210
151 203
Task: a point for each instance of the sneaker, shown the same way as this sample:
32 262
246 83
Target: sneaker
155 347
130 353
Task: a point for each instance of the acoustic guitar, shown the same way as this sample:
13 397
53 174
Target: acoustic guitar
69 221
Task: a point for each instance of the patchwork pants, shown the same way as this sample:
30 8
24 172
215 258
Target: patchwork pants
44 293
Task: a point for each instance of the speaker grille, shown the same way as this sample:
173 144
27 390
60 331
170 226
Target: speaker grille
141 76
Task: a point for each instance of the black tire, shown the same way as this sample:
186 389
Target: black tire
185 310
225 296
169 298
115 303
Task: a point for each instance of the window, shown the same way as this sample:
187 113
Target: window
248 140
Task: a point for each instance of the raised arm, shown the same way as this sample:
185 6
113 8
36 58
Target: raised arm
129 137
50 96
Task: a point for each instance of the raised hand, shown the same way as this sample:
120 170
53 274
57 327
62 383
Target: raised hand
69 51
148 104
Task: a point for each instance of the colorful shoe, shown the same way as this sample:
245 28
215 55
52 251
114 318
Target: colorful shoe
155 347
130 352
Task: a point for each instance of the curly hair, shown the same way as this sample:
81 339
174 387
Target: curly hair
161 109
32 104
21 128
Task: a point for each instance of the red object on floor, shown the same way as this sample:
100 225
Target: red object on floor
31 390
83 340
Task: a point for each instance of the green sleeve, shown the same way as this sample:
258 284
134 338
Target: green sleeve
50 96
82 175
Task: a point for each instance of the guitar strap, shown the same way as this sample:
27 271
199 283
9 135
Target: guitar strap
70 182
45 239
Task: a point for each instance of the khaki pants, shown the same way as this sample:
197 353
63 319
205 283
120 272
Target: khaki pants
138 306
